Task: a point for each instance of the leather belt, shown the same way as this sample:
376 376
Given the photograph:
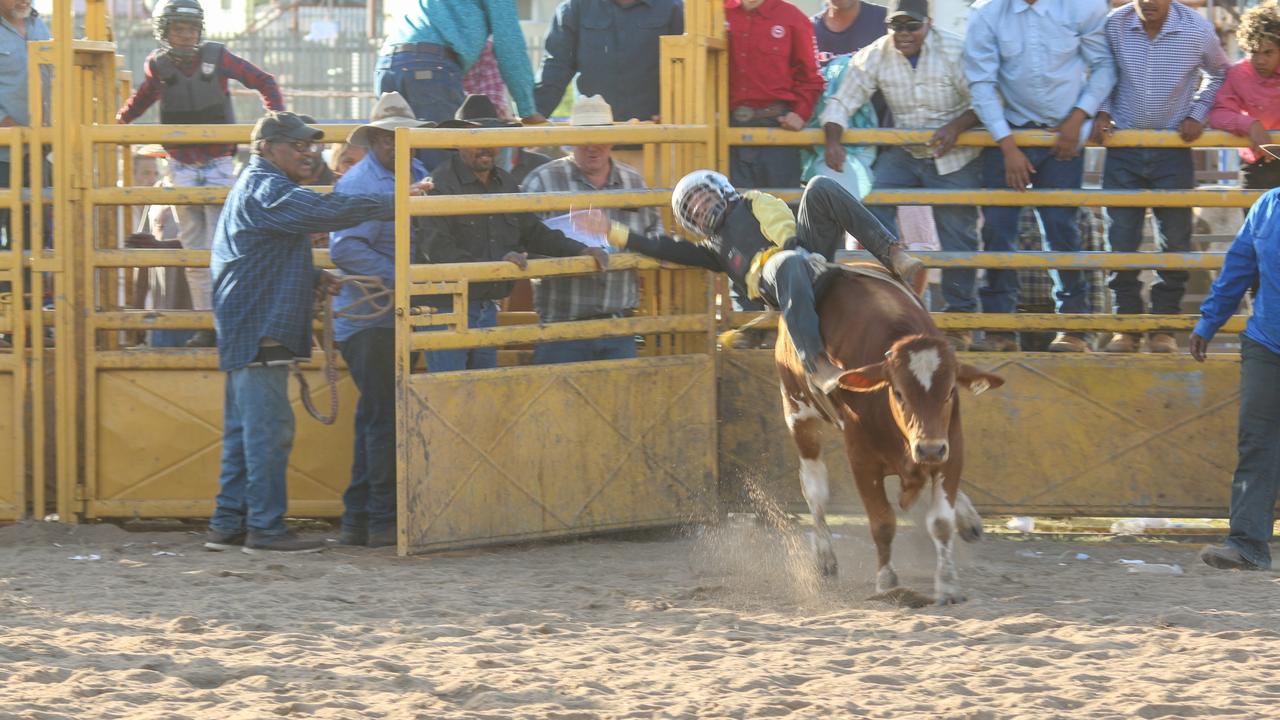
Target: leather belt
430 48
745 113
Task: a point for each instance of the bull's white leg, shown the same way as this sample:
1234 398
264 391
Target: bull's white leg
813 479
942 522
968 521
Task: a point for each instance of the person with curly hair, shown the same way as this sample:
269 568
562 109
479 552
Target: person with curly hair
1249 102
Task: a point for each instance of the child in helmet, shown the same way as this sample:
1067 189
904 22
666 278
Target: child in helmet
189 79
767 254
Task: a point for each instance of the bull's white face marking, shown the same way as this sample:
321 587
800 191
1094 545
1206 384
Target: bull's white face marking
924 365
805 411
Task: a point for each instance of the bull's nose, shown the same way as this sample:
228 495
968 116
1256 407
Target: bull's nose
931 451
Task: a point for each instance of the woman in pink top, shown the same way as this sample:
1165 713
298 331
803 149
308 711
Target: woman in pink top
1249 102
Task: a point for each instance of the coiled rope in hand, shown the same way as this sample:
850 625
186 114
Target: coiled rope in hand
379 300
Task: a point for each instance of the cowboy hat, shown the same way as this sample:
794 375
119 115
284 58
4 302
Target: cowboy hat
589 111
475 112
390 112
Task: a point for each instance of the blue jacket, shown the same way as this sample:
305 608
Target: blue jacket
1254 257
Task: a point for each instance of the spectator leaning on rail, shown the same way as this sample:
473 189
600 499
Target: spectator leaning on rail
484 238
264 288
612 47
918 68
368 346
1169 66
605 295
773 82
1036 64
19 24
189 78
1249 102
435 41
1254 258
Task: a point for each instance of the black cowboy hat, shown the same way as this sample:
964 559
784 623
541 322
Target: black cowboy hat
477 111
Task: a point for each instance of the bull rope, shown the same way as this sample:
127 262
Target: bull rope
374 293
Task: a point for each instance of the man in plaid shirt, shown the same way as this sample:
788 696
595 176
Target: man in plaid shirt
189 79
589 169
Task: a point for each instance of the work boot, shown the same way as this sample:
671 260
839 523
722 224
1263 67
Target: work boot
356 537
382 538
218 540
1123 343
1161 343
960 340
825 375
1068 343
1225 557
997 342
285 543
203 338
903 265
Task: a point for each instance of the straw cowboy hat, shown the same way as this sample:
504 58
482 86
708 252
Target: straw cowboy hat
591 111
390 112
475 112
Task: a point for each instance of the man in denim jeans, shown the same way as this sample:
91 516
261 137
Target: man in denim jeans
1169 66
435 41
1036 64
1253 259
189 79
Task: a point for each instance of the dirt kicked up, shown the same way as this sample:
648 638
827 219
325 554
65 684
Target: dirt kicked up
731 623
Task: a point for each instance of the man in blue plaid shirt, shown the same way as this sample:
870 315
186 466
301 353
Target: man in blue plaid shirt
264 287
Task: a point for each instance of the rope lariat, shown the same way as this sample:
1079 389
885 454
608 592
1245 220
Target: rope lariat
375 294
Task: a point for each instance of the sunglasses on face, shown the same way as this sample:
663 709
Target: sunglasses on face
908 26
303 146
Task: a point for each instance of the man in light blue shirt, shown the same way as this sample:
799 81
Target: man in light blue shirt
434 42
19 24
369 345
1036 64
1254 257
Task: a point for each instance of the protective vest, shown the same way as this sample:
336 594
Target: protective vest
199 98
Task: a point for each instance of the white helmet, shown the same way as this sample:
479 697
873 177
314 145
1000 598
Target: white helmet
701 199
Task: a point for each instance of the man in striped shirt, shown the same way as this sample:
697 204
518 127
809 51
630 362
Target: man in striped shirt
918 69
1169 66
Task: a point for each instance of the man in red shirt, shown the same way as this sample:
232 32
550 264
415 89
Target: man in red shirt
773 81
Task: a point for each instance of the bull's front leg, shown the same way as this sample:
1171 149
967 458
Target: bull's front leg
942 528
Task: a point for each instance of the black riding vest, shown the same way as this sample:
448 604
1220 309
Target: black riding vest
738 241
195 99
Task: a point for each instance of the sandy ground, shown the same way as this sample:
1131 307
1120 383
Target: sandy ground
717 623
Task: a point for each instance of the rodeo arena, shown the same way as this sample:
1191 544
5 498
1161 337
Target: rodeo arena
605 359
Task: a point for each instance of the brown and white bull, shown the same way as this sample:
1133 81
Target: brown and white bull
899 409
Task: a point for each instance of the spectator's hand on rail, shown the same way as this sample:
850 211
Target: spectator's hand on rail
602 257
1103 126
1017 168
534 119
141 240
1068 144
1198 347
1258 136
8 121
835 155
944 138
791 121
519 259
422 187
1190 130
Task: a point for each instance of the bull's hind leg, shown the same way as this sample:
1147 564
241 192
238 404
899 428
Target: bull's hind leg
880 516
942 528
806 430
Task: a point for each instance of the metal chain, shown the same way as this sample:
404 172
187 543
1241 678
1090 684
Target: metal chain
375 294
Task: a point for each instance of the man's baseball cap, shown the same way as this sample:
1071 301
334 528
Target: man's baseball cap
284 126
915 9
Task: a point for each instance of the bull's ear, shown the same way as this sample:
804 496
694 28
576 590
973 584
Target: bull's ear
865 379
977 380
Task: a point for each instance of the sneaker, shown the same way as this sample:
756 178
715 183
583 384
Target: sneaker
1068 343
997 342
382 538
1123 343
218 540
203 338
1225 557
1161 343
286 543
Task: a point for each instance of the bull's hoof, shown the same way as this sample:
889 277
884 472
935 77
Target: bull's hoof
886 579
951 598
971 533
828 567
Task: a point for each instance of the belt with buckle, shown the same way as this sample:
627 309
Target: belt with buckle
431 48
746 113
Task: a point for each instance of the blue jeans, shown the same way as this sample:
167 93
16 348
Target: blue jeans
764 167
370 500
257 435
567 351
480 314
788 279
432 85
1257 476
1148 169
896 168
1057 226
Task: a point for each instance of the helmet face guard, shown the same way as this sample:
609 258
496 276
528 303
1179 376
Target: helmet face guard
169 12
701 199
